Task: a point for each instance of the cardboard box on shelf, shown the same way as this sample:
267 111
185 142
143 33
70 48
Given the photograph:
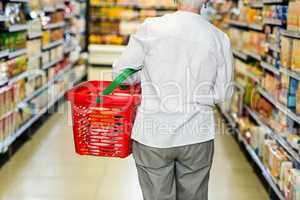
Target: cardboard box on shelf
296 56
292 22
286 51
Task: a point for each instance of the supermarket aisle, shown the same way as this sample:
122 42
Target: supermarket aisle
46 168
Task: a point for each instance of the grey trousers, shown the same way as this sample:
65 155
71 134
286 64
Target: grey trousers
179 173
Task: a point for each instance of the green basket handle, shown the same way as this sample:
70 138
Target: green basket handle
117 82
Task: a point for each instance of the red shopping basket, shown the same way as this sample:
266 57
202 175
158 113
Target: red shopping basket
103 113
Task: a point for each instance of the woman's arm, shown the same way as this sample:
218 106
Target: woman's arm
224 87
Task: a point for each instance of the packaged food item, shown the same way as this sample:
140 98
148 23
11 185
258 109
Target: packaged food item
35 26
13 41
46 37
284 174
21 90
17 65
286 52
35 5
276 12
15 13
296 56
3 71
293 16
283 93
298 100
271 84
294 140
257 138
34 47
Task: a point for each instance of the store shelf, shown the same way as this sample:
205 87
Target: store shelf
244 55
44 87
19 77
253 55
34 94
29 123
49 9
70 15
18 27
256 27
273 48
269 67
69 49
289 33
239 54
34 35
274 1
50 64
228 118
252 76
60 7
275 136
17 53
19 1
54 25
7 114
279 106
29 75
239 24
275 22
258 4
4 53
133 6
265 172
3 82
36 56
53 44
3 18
256 118
7 142
290 73
238 85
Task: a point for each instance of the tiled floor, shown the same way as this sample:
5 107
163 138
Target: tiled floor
46 168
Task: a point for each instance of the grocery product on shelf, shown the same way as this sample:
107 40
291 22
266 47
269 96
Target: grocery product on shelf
256 139
295 63
17 65
13 41
286 51
274 157
275 12
16 15
248 15
3 72
293 16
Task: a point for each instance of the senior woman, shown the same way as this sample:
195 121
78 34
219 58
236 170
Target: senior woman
186 70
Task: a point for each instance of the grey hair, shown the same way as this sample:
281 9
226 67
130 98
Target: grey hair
192 3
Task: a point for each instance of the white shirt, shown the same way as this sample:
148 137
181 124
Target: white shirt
187 69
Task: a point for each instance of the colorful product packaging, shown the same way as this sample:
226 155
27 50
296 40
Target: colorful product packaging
296 55
292 23
286 51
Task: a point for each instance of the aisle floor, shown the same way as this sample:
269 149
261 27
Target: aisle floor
46 168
